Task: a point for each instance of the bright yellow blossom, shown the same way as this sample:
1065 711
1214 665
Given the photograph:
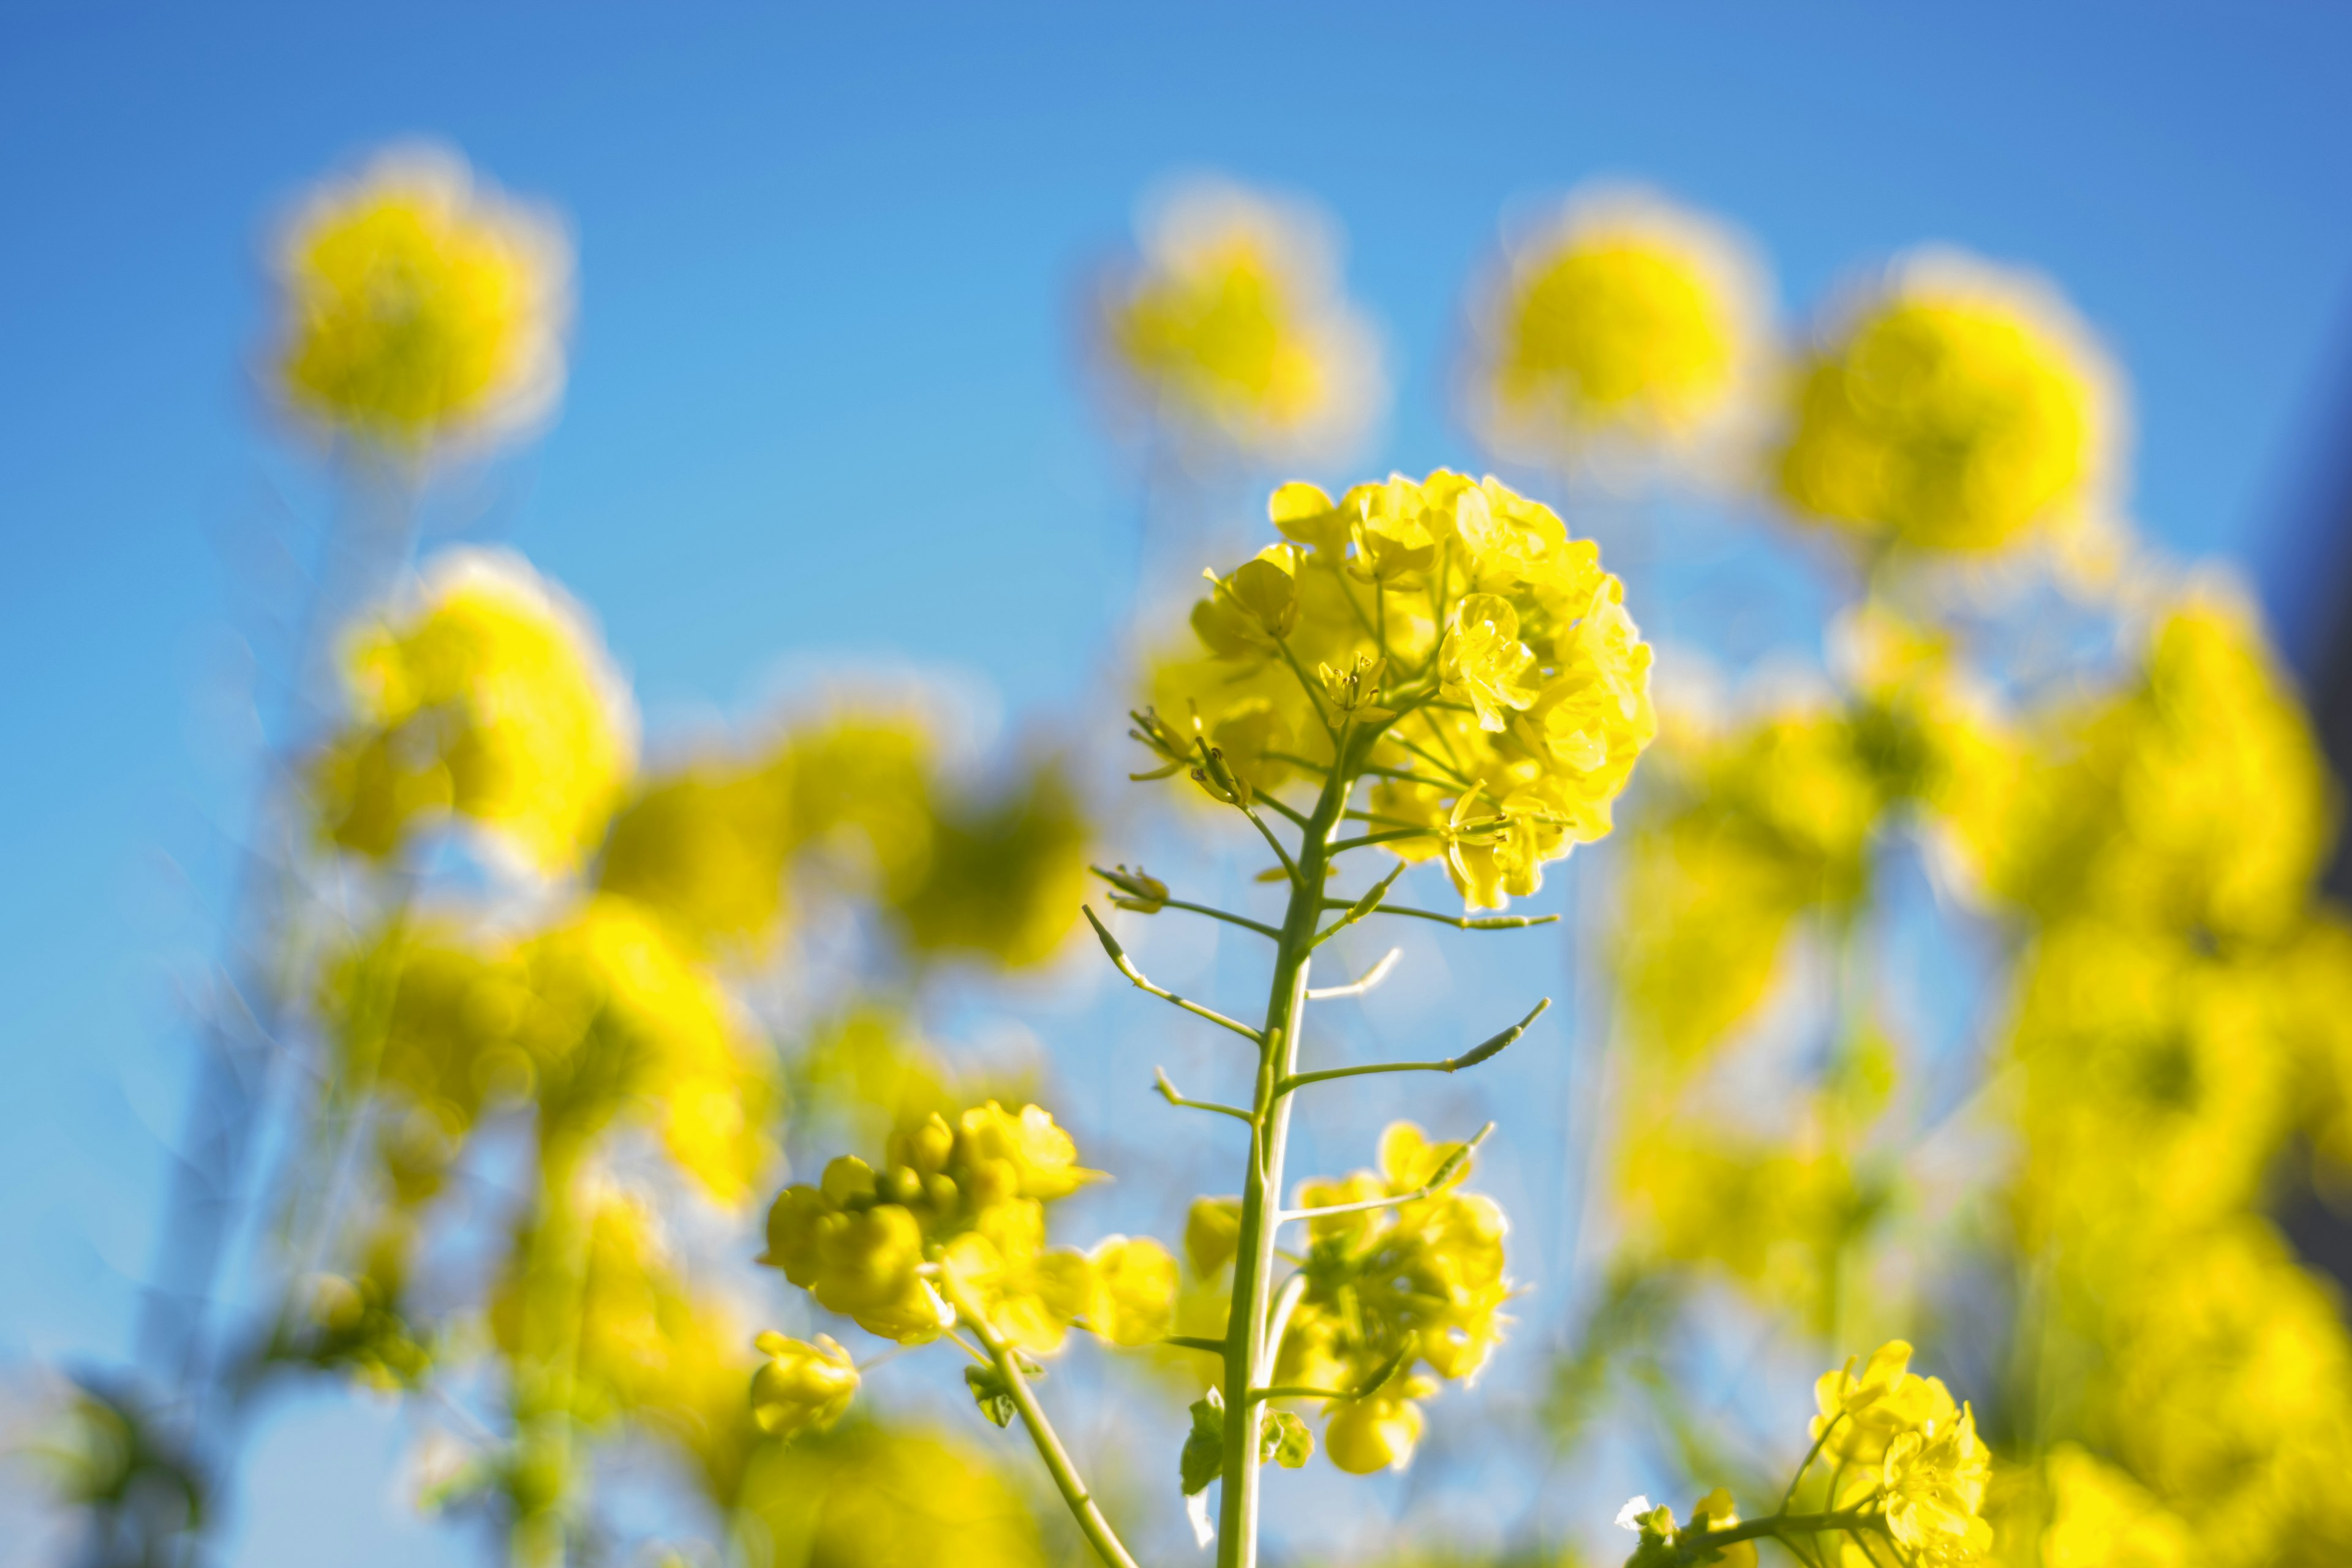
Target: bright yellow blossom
1958 408
487 697
416 305
1862 1412
1935 1477
1508 685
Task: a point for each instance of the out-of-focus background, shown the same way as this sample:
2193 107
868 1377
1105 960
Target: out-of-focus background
828 408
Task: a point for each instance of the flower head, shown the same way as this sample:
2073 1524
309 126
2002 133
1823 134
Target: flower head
1958 408
1459 624
487 697
417 307
1623 322
1233 330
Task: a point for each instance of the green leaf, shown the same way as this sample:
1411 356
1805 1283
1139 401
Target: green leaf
1283 1437
989 1392
1204 1446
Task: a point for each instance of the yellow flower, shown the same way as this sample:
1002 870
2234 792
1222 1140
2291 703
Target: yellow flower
862 1262
1864 1413
1018 1156
1484 662
801 1387
416 307
871 1496
1511 683
1234 328
621 1017
2137 808
1959 409
1715 1511
2101 1518
1366 1435
1623 320
1935 1477
488 697
1030 1293
1134 1300
1003 878
1418 1284
1212 1231
706 848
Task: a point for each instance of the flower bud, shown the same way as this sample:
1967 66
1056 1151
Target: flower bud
1368 1434
847 1180
1041 1159
925 1147
793 1222
803 1387
1212 1230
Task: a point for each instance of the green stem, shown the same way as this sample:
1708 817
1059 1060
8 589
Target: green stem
1096 1529
1247 1355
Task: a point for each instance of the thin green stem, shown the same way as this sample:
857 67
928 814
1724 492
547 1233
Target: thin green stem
1231 919
1438 1178
1091 1522
1366 840
1288 864
1484 1051
1296 818
1459 923
1247 1354
1125 966
1168 1093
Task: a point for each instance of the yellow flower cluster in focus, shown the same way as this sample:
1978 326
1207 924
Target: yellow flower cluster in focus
1513 690
416 305
489 699
1625 320
966 1197
1234 328
1416 1290
1956 409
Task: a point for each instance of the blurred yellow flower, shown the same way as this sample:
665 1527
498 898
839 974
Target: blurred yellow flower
1134 1298
1621 324
1234 328
622 1017
2100 1518
876 1497
416 307
1958 408
801 1387
489 697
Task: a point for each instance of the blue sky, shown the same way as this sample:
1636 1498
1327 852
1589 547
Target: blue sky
823 399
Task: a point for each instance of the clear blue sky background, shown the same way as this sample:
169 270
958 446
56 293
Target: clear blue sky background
823 397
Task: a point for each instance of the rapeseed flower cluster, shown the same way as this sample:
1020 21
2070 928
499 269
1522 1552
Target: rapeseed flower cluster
1624 324
1233 331
487 699
418 307
954 1222
1390 1292
1509 686
1955 407
1907 1474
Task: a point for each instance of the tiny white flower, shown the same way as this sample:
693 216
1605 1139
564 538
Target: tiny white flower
1628 1516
